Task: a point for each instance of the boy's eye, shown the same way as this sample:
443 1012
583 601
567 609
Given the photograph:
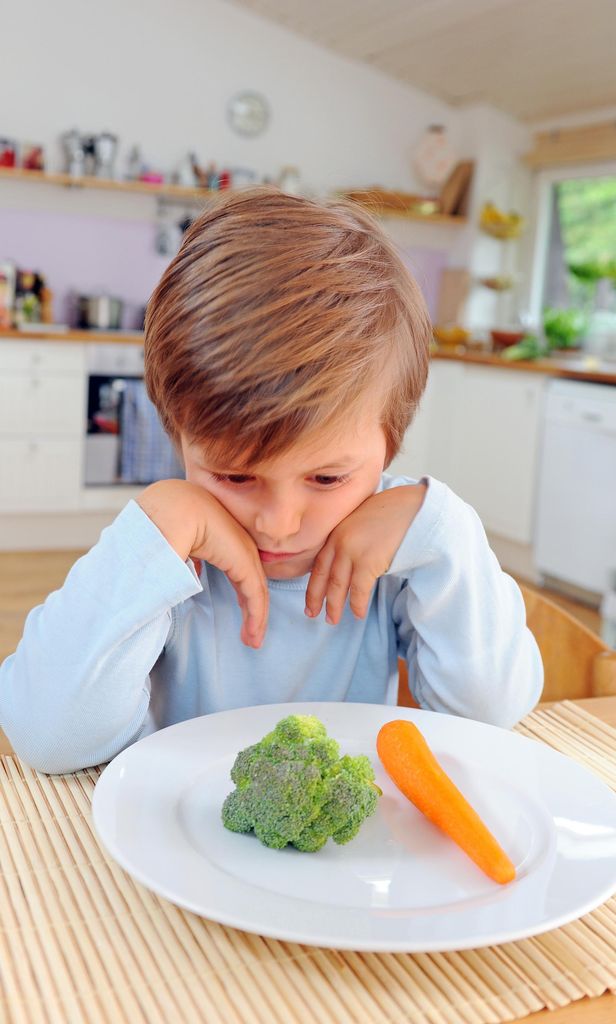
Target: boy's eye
231 478
239 478
329 481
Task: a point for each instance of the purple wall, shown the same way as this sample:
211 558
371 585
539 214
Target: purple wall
426 266
85 255
95 254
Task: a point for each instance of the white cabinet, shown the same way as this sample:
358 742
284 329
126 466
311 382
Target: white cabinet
496 446
39 474
428 443
35 403
24 355
478 430
42 417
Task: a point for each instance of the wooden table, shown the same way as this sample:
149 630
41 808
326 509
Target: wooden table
585 1011
602 1009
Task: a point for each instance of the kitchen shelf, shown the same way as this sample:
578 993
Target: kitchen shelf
388 212
395 205
166 190
163 190
46 332
426 218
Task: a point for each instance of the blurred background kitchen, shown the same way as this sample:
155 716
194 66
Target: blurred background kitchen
483 132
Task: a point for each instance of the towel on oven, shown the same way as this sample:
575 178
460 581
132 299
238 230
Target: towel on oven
146 453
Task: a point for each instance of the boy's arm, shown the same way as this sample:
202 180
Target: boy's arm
461 620
76 691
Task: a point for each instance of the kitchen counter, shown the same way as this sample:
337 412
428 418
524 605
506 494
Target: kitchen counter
120 337
576 366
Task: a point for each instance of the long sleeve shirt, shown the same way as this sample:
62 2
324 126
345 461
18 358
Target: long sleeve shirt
136 640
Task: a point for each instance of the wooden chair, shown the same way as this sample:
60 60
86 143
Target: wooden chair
405 698
577 663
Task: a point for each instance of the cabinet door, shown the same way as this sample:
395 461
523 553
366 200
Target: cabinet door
40 474
427 447
33 403
43 357
495 446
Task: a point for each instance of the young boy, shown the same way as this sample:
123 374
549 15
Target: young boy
286 350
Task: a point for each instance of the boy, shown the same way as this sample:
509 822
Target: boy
286 350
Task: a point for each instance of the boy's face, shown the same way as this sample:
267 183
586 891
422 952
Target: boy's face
290 504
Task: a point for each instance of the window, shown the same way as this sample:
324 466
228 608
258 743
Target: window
581 256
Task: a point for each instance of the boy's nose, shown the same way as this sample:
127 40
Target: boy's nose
278 522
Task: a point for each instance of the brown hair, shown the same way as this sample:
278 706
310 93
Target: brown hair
277 316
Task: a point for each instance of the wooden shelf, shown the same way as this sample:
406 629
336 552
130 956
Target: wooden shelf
395 205
183 192
77 335
368 199
108 184
426 218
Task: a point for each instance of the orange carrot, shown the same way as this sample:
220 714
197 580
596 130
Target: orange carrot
410 763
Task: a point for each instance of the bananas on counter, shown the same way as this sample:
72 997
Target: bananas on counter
499 224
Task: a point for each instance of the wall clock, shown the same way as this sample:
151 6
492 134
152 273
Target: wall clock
248 113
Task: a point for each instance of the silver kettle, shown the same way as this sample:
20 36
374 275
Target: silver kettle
102 312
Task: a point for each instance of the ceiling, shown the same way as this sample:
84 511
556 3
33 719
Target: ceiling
533 59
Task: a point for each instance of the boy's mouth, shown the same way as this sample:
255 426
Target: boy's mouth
277 556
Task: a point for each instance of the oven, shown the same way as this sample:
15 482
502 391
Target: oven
125 445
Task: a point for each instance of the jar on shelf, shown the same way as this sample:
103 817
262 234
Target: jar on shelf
289 180
434 157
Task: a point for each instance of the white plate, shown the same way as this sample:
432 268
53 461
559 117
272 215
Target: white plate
401 885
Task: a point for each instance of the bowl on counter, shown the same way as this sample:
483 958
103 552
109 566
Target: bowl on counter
451 335
503 338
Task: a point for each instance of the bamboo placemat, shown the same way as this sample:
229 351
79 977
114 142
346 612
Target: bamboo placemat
81 942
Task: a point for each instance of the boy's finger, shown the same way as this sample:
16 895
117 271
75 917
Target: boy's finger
360 589
255 616
245 636
337 589
317 584
253 629
253 599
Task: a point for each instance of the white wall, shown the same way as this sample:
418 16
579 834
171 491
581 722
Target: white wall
498 142
160 74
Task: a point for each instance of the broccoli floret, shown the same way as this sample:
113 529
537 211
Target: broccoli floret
293 787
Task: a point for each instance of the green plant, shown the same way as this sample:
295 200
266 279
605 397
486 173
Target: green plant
563 327
293 787
528 348
593 270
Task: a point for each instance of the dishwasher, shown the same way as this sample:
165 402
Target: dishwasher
575 538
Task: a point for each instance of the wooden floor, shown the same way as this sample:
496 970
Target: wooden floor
26 578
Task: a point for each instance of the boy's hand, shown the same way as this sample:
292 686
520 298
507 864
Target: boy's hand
196 525
359 550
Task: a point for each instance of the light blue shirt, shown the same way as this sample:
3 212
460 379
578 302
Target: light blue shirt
135 640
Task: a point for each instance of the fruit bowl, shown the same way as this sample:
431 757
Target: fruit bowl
499 224
451 336
502 338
